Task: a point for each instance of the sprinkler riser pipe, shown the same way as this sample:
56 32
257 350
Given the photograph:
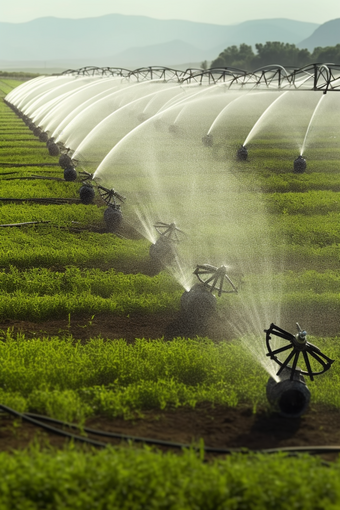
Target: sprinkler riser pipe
288 397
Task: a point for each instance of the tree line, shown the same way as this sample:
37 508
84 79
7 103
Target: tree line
284 54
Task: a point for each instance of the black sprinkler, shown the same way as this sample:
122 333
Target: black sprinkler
300 165
70 174
207 140
164 250
87 194
198 304
112 215
242 153
52 147
290 396
65 161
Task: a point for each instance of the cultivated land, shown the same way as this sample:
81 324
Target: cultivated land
92 334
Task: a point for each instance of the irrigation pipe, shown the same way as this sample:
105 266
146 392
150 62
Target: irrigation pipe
37 419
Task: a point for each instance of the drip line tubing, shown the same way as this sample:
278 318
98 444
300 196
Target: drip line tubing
37 419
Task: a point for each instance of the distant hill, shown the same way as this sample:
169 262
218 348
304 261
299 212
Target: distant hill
133 41
327 34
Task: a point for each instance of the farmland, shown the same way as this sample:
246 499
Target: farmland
89 335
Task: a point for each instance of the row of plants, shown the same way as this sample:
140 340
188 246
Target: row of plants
63 378
134 479
71 381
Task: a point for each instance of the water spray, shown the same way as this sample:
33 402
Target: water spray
242 153
164 250
290 395
300 165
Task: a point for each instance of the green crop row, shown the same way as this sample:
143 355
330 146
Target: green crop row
68 380
47 247
135 479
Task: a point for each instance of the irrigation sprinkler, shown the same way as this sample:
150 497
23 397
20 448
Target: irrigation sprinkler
242 153
290 395
52 147
37 131
86 193
300 165
65 161
199 303
164 249
43 137
214 278
207 140
112 215
70 174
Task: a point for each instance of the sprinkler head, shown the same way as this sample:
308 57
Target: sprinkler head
86 194
300 165
65 161
289 397
43 137
52 147
291 348
198 304
214 278
37 131
113 218
207 140
70 174
163 251
242 153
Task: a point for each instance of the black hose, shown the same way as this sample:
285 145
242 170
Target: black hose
54 430
35 420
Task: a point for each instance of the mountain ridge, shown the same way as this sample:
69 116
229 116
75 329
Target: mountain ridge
134 41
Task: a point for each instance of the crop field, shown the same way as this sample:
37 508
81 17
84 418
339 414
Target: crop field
91 334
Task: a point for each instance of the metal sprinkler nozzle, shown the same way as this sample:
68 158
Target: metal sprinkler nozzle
164 249
170 231
297 344
109 195
214 278
289 394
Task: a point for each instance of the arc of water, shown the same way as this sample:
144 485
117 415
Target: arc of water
170 103
128 105
310 125
223 110
82 142
260 119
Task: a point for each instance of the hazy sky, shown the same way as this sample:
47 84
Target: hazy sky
223 12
